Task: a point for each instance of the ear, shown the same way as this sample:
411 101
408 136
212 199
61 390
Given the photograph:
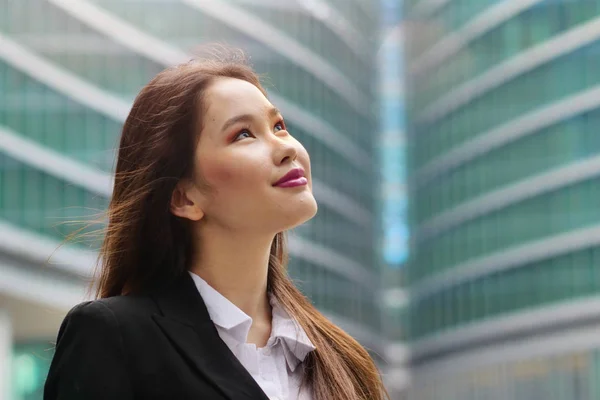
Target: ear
185 201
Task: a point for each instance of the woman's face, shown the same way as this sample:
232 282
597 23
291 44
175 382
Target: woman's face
258 174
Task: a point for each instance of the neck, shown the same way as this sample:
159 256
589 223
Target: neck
236 266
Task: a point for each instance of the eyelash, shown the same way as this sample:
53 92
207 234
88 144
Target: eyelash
247 129
282 125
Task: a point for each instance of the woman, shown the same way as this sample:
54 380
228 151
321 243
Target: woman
194 301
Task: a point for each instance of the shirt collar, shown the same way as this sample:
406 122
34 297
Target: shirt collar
223 312
295 343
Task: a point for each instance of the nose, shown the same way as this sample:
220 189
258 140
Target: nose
285 152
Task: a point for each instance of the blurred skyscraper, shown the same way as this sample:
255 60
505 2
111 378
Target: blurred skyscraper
504 117
393 193
69 70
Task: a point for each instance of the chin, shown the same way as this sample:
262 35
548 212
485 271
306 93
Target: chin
300 212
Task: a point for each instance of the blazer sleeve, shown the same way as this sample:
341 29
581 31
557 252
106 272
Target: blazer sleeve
89 362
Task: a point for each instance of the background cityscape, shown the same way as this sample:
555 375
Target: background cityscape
456 159
69 70
503 146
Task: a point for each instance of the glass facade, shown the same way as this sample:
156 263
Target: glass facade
392 153
502 132
71 104
565 376
31 361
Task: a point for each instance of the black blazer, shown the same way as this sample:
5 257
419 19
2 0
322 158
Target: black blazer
159 346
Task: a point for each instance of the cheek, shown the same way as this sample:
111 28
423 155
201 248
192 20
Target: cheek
231 173
218 173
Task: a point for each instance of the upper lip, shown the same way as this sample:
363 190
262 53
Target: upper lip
293 174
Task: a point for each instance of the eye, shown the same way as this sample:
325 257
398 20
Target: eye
243 134
280 126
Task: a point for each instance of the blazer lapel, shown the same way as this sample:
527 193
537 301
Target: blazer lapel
185 320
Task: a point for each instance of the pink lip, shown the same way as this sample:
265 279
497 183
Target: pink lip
292 179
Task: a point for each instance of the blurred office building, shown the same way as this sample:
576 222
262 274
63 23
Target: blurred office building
504 177
393 201
69 70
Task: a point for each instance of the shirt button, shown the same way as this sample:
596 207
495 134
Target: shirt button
267 351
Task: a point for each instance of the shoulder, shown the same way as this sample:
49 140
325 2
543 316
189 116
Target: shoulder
107 323
89 345
111 311
128 306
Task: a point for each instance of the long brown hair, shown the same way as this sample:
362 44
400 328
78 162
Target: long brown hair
145 245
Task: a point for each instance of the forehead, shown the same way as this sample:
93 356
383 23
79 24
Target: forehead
229 97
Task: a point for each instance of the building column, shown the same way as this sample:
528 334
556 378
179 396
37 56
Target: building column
6 348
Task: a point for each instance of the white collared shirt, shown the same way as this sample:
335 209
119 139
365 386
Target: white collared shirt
277 367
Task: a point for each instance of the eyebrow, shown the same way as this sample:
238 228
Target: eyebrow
273 112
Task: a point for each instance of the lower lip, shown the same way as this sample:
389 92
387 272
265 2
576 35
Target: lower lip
293 183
